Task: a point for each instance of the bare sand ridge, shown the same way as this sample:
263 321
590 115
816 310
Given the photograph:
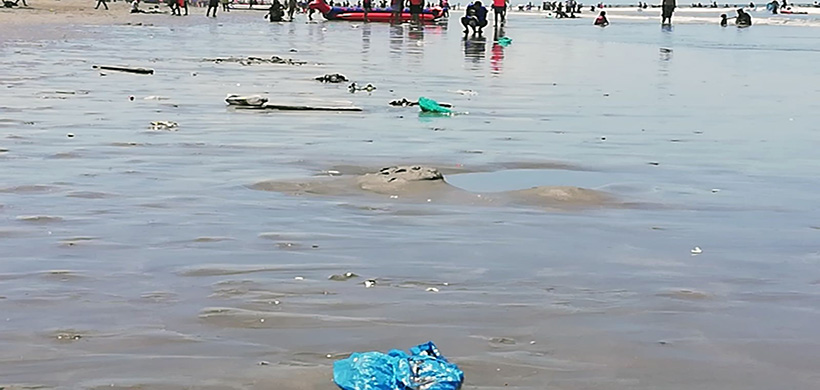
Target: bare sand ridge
418 183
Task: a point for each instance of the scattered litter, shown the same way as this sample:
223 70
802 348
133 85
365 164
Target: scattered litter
333 173
403 102
156 98
329 356
299 278
467 92
256 60
70 135
654 163
248 101
164 125
332 78
505 41
715 190
261 320
131 98
430 105
532 342
124 69
424 368
354 88
343 277
369 283
666 50
696 251
264 363
431 289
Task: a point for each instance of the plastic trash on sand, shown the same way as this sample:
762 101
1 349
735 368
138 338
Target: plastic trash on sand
423 369
430 105
504 41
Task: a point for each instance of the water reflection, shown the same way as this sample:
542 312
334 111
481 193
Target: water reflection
396 39
366 32
497 58
497 52
475 48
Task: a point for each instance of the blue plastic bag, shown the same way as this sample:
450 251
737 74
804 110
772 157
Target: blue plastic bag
423 369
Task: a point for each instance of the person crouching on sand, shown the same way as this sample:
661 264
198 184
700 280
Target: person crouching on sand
601 20
723 21
475 17
743 18
276 12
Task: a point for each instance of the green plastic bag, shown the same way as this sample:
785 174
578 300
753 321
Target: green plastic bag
504 41
430 105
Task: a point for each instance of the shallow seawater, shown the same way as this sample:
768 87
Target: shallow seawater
138 258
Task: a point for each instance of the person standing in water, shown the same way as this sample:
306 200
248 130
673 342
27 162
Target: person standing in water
367 6
184 4
212 5
667 9
291 9
601 20
416 6
103 2
500 8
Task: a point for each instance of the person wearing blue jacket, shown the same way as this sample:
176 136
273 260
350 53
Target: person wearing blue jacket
475 17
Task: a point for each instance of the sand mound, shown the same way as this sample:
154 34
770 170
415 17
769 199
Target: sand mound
560 195
427 184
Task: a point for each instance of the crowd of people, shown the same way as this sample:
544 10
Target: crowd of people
475 17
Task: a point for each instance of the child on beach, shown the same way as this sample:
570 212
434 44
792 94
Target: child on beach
601 20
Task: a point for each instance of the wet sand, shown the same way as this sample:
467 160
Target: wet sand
205 257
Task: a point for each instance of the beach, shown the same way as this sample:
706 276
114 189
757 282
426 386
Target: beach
620 208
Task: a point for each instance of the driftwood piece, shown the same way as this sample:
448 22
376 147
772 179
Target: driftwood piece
125 69
293 107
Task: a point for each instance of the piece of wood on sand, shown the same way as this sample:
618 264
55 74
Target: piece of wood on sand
291 107
125 69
